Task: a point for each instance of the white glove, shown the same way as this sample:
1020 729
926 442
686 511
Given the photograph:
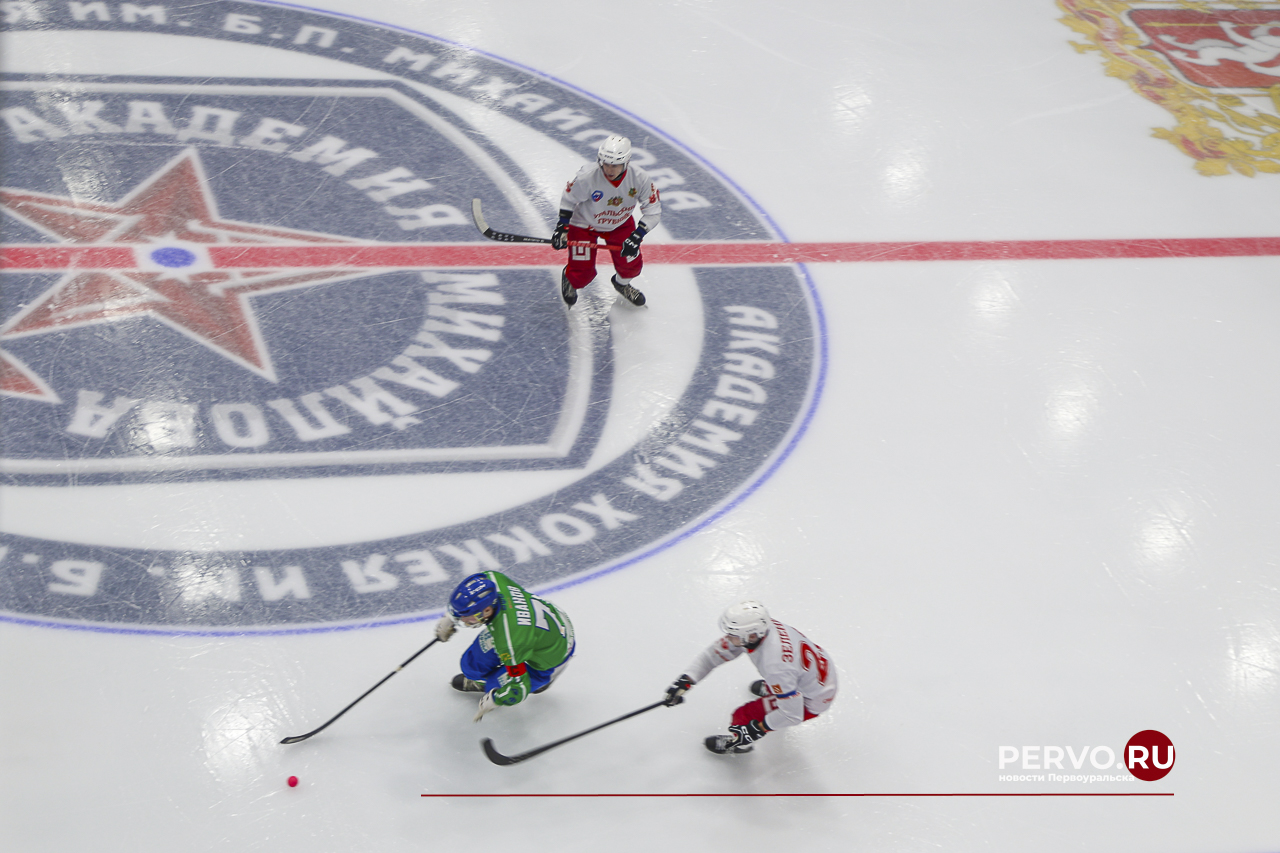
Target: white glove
486 705
444 629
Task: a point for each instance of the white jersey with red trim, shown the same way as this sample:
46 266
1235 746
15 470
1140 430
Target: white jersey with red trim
798 672
599 205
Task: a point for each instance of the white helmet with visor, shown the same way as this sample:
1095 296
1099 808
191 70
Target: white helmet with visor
614 151
744 619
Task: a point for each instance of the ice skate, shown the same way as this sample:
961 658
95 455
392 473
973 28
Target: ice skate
567 291
465 685
725 745
628 292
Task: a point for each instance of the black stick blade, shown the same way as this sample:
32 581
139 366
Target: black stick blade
497 757
296 738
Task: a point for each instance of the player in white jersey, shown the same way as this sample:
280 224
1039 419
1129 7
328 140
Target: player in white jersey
600 202
797 679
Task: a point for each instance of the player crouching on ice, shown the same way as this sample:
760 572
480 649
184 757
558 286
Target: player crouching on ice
797 683
599 202
525 642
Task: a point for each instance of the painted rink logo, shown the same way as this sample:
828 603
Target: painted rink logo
192 446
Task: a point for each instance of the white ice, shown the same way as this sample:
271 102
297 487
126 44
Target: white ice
1037 504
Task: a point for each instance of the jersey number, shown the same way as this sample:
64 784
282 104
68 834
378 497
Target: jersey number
542 613
811 657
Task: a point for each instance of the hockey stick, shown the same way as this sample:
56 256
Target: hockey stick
498 758
298 738
506 237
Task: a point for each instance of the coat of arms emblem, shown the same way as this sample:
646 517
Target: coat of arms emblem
1214 66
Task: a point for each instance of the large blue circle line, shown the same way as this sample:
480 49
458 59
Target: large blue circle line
737 499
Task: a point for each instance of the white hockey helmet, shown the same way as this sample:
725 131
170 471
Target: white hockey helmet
614 151
744 619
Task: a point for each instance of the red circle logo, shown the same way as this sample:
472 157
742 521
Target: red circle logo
1149 755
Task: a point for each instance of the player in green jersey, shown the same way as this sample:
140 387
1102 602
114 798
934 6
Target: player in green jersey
524 644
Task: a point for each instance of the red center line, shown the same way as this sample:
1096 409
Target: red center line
1056 794
224 256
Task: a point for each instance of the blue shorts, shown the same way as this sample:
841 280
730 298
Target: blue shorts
480 665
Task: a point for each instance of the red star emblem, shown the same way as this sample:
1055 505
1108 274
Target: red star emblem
171 217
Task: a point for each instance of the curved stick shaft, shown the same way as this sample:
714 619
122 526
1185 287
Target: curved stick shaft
496 757
298 738
504 237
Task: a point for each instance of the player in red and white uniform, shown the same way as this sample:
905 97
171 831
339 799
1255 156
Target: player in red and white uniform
797 678
599 202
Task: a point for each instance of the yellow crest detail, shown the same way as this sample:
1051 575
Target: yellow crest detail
1214 66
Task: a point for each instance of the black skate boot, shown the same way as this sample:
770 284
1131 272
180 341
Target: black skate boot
628 292
759 688
725 745
465 685
567 293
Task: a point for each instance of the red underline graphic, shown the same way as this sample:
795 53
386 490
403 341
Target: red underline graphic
45 256
1055 794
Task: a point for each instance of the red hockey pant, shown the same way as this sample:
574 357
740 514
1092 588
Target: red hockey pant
581 269
756 711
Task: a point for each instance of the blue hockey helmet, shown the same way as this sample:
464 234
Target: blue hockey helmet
473 595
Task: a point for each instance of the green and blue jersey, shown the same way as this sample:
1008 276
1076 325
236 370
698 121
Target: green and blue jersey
521 647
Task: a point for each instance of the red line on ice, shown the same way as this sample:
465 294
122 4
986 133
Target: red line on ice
1052 794
483 255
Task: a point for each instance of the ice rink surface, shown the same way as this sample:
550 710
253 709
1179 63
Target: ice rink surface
1022 502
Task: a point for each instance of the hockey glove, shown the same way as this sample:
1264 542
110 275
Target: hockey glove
444 629
631 245
750 733
486 705
675 693
560 237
